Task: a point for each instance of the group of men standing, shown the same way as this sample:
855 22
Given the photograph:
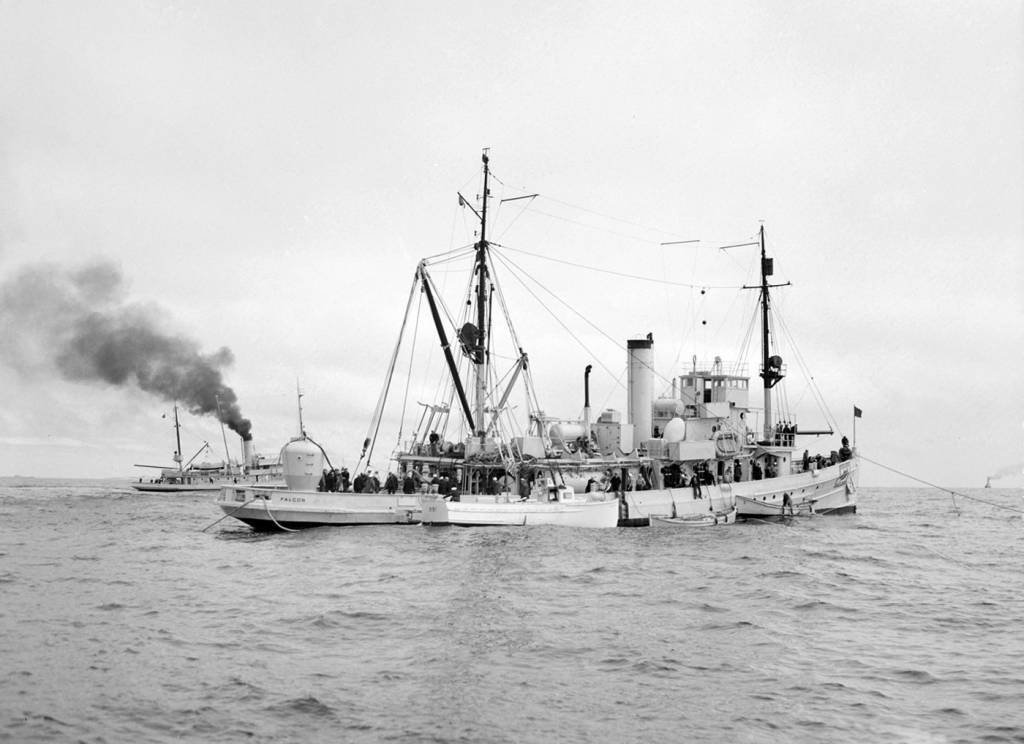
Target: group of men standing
365 482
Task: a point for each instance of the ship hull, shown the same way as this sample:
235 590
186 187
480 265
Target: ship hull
268 509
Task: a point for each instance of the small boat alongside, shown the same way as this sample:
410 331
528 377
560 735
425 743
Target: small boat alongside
708 519
561 506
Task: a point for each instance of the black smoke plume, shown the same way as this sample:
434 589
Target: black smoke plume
75 322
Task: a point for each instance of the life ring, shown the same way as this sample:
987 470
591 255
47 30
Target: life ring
726 444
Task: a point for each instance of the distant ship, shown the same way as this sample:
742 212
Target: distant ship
204 476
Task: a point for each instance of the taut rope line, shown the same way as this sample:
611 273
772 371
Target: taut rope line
229 514
947 490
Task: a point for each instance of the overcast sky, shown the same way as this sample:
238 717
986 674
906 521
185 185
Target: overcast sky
265 176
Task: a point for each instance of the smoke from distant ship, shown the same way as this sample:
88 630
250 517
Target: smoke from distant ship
1017 469
75 322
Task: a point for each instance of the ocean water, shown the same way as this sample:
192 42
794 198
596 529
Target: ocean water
121 620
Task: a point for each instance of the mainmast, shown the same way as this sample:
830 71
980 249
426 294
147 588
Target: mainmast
298 400
177 437
480 349
771 365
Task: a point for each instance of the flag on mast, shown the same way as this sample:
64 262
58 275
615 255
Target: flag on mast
857 412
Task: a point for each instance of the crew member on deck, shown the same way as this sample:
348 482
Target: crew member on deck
845 453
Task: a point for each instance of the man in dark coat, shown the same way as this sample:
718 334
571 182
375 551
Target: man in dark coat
360 482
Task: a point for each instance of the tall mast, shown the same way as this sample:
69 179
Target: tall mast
480 352
771 365
298 398
177 438
765 350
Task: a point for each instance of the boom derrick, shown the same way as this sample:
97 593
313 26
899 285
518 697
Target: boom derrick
445 346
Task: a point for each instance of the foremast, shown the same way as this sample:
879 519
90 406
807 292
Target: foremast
771 364
177 439
473 337
480 348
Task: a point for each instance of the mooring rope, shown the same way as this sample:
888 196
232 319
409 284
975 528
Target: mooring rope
951 492
266 505
229 514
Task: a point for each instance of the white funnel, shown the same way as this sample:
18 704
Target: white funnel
248 452
641 385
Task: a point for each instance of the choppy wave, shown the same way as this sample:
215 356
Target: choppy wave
121 620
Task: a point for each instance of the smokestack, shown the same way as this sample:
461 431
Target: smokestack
586 399
640 384
248 455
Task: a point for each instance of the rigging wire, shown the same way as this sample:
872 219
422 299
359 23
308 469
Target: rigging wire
558 320
586 210
618 383
617 273
830 419
531 393
509 263
781 392
379 410
452 255
408 378
526 206
748 338
609 217
591 227
940 488
440 301
504 309
569 307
